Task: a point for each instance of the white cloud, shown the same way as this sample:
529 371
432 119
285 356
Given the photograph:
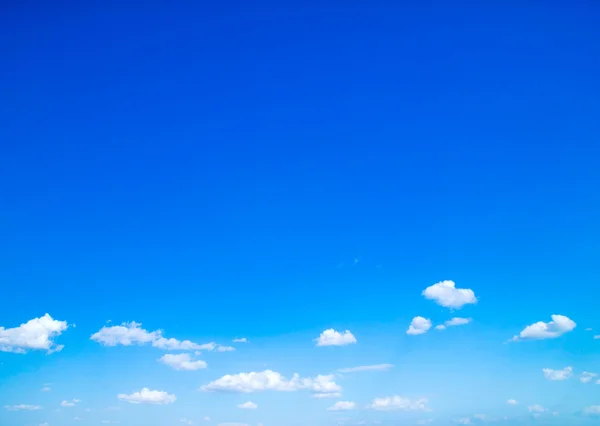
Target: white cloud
182 362
225 348
596 337
186 421
241 340
46 389
147 396
587 377
377 367
132 333
512 402
70 403
563 374
536 408
269 380
334 338
395 402
447 295
464 421
453 323
35 334
342 406
77 418
22 407
559 325
206 419
593 410
418 325
327 395
45 424
248 406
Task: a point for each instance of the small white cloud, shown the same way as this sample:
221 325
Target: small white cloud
419 325
327 395
377 367
596 337
22 407
512 402
240 340
447 295
331 337
342 406
35 334
464 421
587 377
132 333
559 325
45 424
395 402
206 419
248 406
269 380
563 374
593 410
147 396
70 403
225 348
182 362
77 418
186 421
536 408
46 389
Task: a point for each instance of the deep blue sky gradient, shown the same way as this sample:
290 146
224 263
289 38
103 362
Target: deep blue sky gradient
214 168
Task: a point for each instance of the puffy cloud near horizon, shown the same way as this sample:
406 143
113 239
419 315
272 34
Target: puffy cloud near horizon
447 295
147 396
331 337
22 407
248 406
418 325
390 403
269 380
563 374
587 377
454 322
559 325
132 333
35 334
342 406
182 361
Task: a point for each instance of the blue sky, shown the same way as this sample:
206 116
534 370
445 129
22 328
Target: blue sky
312 178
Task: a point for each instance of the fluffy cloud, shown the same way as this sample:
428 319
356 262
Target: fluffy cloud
453 323
587 377
378 367
132 333
186 421
342 406
248 406
512 402
395 402
419 325
147 396
559 325
563 374
327 395
35 334
70 403
271 381
240 340
593 410
334 338
182 362
447 295
22 407
536 408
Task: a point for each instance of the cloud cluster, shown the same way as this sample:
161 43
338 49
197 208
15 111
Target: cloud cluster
132 333
559 325
269 380
454 322
419 325
342 406
563 374
331 337
391 403
35 334
447 295
147 396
